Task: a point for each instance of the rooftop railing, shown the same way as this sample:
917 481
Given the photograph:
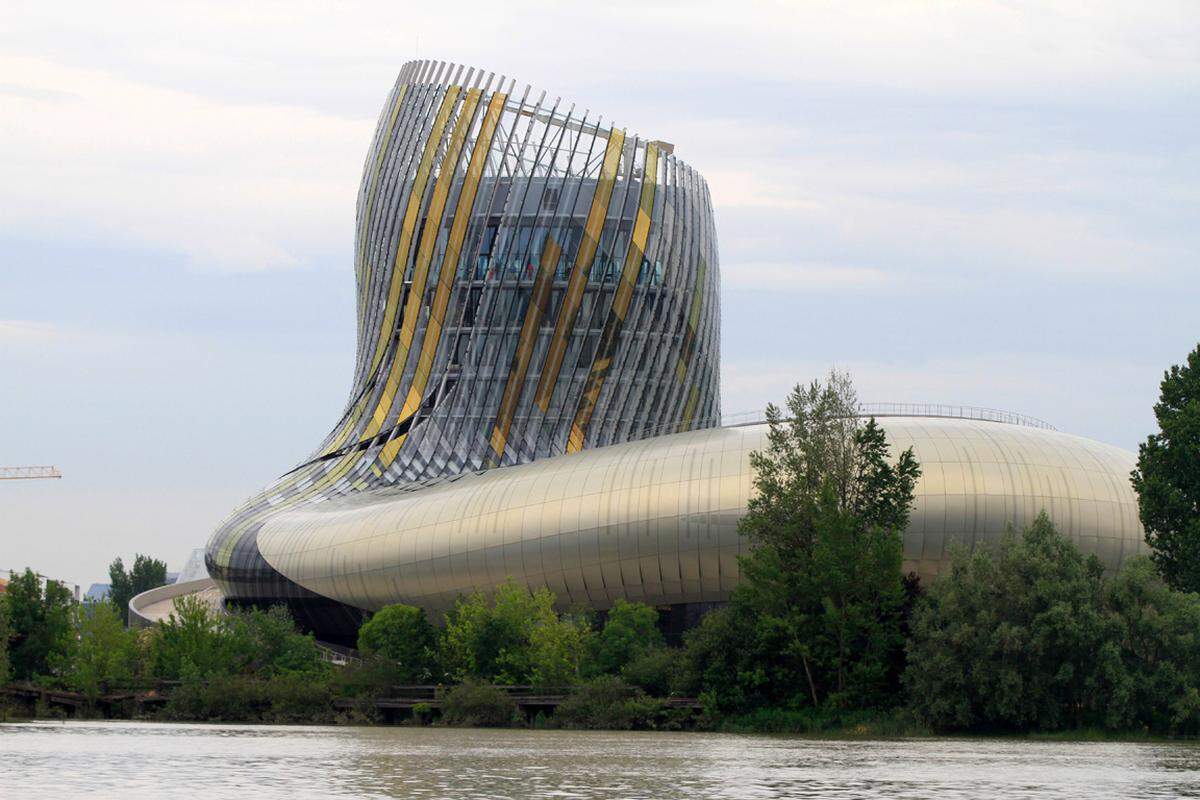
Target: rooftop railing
910 410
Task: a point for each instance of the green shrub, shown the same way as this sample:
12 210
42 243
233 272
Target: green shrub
630 632
608 703
299 698
515 637
1153 661
848 722
423 713
5 635
1013 640
735 666
475 705
268 643
242 698
192 643
223 698
197 642
104 654
656 671
402 634
372 677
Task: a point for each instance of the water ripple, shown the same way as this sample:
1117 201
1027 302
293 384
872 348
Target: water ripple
130 760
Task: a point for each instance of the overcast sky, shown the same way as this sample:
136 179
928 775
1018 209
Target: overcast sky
981 203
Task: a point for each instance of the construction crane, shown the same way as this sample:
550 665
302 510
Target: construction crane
28 473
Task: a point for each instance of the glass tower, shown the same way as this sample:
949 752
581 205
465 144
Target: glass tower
532 281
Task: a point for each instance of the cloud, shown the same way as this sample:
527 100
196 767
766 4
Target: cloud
233 136
17 332
223 186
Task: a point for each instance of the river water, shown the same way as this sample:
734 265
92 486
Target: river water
131 760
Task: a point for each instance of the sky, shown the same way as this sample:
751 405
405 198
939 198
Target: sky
979 203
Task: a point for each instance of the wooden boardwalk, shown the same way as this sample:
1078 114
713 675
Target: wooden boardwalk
529 699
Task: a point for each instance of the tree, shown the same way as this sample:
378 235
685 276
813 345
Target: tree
556 650
403 635
1167 478
5 635
267 643
1155 681
514 638
41 625
120 588
630 632
147 573
735 664
191 643
104 653
1015 639
816 620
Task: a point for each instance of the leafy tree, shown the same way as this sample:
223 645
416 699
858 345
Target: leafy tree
817 618
147 573
41 625
514 638
735 664
196 642
556 650
1167 478
5 635
403 635
1153 660
120 589
1017 639
268 643
630 632
104 654
656 671
191 643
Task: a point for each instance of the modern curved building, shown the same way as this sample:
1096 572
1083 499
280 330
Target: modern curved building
536 390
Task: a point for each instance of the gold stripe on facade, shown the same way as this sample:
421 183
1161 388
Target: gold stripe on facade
441 298
620 306
581 270
429 235
538 302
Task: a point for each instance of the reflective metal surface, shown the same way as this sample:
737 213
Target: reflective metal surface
532 280
656 520
536 388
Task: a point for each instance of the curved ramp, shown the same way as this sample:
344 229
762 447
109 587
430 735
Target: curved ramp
157 604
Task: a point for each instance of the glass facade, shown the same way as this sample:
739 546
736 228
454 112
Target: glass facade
532 281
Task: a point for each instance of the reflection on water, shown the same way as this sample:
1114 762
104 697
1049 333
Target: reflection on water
143 760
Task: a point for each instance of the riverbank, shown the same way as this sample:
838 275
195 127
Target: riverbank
663 715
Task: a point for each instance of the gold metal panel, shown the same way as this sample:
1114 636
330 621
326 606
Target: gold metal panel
416 196
538 302
449 268
579 272
620 304
689 335
416 292
471 533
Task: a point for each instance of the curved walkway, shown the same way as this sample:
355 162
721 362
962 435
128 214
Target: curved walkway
156 605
